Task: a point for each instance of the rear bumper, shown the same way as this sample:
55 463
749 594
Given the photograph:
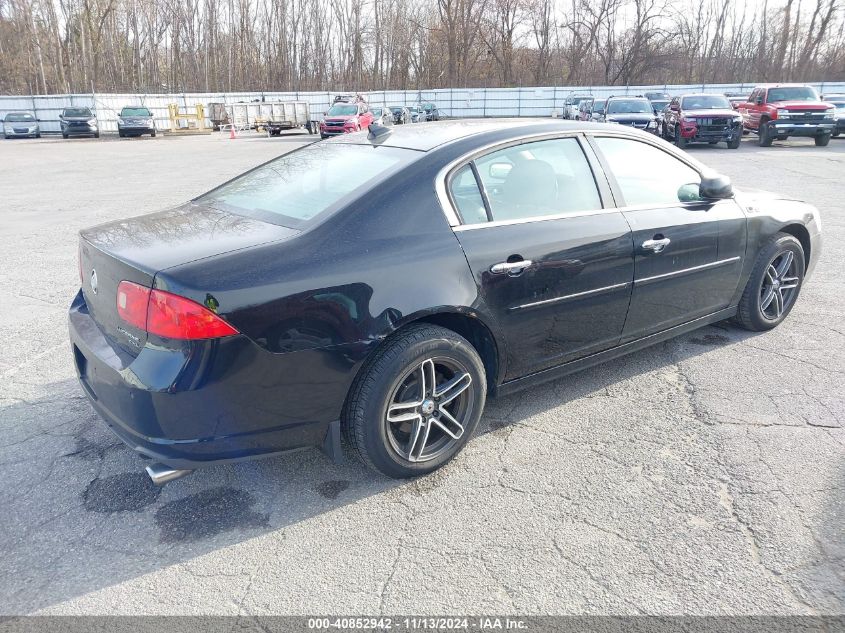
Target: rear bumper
212 401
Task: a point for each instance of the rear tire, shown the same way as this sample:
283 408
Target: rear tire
153 134
97 135
765 138
822 141
120 133
759 309
64 136
394 416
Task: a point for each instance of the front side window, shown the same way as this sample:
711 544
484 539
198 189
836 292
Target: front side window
302 185
536 179
648 175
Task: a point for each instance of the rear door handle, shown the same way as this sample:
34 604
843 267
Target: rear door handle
512 268
656 245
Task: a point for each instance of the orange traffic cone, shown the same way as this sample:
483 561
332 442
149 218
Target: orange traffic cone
232 134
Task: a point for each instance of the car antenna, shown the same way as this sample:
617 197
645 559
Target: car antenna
377 131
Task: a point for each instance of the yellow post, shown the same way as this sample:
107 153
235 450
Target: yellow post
173 113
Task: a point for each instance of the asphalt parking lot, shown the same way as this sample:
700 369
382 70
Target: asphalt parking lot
701 476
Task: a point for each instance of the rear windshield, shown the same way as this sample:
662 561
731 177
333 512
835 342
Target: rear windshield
20 117
376 111
301 186
135 112
705 102
341 110
77 112
629 106
793 93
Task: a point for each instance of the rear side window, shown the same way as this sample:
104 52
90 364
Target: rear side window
296 188
530 180
645 174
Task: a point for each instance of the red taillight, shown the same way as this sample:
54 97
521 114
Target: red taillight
132 300
167 315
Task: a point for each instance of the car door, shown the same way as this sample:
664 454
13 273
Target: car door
553 263
688 251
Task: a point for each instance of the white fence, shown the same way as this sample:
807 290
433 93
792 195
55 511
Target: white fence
452 102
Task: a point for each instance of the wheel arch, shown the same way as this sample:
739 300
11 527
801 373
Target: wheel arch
478 333
800 232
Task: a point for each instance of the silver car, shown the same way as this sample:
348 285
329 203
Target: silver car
21 125
382 116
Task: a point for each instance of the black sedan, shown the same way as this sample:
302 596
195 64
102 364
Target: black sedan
291 305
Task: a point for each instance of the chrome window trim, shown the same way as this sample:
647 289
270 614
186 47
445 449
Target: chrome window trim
686 271
576 295
441 181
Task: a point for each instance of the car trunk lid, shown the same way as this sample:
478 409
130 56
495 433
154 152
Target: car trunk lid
136 249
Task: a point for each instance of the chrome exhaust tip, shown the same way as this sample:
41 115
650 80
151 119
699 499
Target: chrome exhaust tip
161 474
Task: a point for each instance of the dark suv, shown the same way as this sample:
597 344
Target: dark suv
135 121
631 111
702 118
78 122
431 111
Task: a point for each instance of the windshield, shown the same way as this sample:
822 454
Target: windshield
705 102
376 111
659 104
598 105
793 93
428 107
135 112
396 109
629 106
20 117
342 110
302 185
77 112
840 105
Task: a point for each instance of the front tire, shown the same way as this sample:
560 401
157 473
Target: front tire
774 285
153 134
765 137
416 402
680 141
823 140
734 142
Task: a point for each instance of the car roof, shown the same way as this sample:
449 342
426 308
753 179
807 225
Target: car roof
782 86
428 136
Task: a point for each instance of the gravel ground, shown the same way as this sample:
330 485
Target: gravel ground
701 476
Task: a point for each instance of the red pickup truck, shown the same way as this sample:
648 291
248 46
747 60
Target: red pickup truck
778 111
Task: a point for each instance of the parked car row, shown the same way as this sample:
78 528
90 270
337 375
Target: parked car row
771 111
81 121
350 113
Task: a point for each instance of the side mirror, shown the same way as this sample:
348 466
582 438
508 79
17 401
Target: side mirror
500 171
759 100
715 187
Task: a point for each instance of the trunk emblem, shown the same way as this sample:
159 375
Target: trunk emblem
94 281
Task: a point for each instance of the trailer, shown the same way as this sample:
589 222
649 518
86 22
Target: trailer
269 116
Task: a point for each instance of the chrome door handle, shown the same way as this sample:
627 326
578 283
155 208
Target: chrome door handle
656 245
510 267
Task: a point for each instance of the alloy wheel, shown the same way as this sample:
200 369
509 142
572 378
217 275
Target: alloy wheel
429 409
780 285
